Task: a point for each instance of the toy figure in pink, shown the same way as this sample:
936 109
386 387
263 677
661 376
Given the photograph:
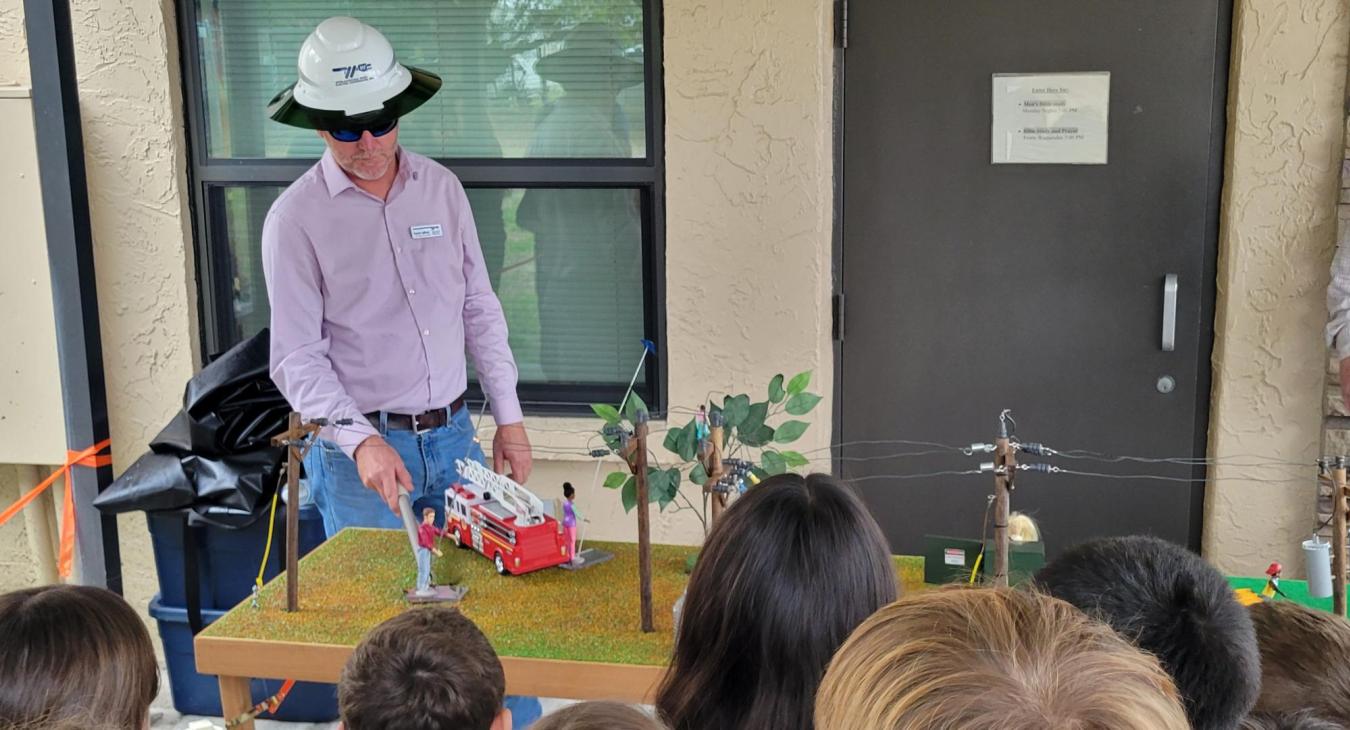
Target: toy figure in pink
427 532
570 521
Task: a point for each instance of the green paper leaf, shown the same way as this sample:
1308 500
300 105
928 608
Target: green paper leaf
672 440
773 462
608 412
794 459
799 382
761 437
802 403
698 475
735 409
688 441
754 418
615 479
629 494
776 392
634 405
790 431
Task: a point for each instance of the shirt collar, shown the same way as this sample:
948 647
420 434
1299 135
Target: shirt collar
337 180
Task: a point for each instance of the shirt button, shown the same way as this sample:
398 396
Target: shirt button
412 291
426 333
398 249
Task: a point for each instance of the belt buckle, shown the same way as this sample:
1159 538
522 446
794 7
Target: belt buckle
417 424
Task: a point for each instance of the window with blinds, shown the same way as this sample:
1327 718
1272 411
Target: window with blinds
550 114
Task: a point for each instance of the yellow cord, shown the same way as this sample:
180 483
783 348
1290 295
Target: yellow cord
975 569
267 551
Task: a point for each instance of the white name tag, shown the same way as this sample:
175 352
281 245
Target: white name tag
428 231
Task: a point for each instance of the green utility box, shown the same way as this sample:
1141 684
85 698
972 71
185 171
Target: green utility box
950 560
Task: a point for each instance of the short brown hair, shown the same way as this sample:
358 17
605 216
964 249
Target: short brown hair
598 716
427 668
985 658
1305 660
74 656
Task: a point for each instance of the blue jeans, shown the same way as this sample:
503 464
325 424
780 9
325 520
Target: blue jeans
429 457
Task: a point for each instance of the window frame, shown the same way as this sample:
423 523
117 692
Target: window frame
646 175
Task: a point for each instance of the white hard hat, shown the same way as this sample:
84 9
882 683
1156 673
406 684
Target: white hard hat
348 75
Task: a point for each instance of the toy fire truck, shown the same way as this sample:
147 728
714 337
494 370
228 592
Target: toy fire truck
503 521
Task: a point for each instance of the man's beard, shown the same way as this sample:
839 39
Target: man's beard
361 168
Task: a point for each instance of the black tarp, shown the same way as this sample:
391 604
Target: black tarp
214 458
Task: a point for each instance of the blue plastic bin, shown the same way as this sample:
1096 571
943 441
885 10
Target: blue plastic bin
227 560
199 694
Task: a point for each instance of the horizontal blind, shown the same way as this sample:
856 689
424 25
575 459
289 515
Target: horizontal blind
565 262
508 66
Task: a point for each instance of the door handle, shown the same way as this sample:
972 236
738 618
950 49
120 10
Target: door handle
1169 319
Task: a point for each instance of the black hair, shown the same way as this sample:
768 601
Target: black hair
785 575
1171 603
568 491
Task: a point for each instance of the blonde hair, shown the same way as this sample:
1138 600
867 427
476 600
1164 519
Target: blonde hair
1022 529
985 658
598 716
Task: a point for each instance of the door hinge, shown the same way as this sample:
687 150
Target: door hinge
841 23
837 316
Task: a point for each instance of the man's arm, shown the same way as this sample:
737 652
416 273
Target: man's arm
485 334
299 362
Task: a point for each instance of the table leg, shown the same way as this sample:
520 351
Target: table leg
235 699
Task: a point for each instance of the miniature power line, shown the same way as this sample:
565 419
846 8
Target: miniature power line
1005 461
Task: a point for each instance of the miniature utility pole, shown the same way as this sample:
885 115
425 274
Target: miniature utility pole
1005 464
1338 530
294 438
712 465
635 453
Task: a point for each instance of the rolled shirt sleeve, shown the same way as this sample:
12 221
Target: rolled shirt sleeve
299 361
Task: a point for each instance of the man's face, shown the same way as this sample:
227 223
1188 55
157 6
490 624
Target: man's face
367 158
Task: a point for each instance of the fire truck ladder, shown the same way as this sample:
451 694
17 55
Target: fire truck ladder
529 508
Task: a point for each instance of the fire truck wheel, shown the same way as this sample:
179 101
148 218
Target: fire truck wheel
501 565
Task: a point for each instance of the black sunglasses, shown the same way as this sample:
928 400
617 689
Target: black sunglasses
351 135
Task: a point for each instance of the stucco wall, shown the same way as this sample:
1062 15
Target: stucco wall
125 53
1285 117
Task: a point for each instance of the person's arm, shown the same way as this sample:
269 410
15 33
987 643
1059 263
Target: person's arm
1338 326
299 362
485 334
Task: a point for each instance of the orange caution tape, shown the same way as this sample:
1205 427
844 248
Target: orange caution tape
90 457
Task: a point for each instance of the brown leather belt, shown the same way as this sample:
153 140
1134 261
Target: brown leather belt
434 418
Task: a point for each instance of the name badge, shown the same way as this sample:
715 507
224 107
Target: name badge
428 231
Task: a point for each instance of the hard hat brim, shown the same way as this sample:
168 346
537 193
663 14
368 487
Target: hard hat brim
285 109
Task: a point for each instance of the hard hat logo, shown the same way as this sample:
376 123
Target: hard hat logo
348 77
350 71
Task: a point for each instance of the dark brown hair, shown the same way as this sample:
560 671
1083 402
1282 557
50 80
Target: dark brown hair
992 659
72 655
789 571
598 716
427 668
1305 660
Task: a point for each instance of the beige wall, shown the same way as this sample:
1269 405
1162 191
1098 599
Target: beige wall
749 207
1287 96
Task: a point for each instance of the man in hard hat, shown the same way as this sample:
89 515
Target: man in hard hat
377 284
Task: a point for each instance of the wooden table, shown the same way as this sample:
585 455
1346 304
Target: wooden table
558 633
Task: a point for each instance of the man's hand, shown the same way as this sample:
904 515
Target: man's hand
1345 383
512 446
382 470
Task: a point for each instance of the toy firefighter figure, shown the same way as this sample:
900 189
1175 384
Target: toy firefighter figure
1272 588
427 532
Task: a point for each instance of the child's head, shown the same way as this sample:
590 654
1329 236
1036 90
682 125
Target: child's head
790 569
1288 721
568 491
1305 660
1174 605
598 716
74 656
428 515
986 658
424 669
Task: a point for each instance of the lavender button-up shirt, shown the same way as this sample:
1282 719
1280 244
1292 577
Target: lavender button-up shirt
374 301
